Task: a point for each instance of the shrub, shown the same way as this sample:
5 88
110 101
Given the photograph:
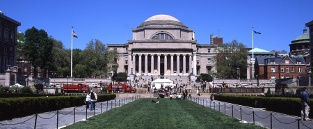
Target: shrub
26 90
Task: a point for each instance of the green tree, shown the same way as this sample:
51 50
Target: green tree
60 59
38 47
120 77
230 59
111 57
204 77
93 60
20 42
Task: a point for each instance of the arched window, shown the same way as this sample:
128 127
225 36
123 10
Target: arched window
162 36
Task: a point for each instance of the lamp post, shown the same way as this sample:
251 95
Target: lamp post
309 77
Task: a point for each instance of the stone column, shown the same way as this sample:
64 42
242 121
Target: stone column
190 64
152 64
129 63
184 64
146 64
134 63
177 64
172 63
159 59
194 63
139 71
165 64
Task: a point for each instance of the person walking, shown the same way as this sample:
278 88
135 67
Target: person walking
305 104
93 99
87 100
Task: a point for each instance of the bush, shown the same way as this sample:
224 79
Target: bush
26 90
23 106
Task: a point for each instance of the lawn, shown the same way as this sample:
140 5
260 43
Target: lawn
168 114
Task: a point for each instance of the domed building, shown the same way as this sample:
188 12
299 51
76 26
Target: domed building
300 46
162 46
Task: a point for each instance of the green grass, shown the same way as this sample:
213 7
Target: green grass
168 114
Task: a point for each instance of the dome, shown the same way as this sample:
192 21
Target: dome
162 21
304 38
162 17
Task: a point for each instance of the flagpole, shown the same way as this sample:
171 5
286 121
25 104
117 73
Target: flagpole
252 59
72 53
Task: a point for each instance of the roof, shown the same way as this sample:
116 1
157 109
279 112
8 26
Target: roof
309 24
263 60
304 38
259 51
10 19
162 17
162 21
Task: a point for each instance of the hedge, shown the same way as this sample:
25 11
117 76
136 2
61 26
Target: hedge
24 106
286 105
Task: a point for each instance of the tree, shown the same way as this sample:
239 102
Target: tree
120 77
229 58
60 60
38 47
204 77
111 57
93 57
20 42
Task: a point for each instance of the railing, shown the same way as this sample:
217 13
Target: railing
256 116
76 112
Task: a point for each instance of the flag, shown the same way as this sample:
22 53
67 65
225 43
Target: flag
256 32
74 34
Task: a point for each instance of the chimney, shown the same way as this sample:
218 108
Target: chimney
305 31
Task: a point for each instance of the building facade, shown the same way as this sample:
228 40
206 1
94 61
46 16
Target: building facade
162 46
279 67
8 42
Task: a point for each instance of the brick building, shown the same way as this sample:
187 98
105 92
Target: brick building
279 67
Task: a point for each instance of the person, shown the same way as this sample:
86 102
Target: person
305 102
87 100
212 97
198 92
93 99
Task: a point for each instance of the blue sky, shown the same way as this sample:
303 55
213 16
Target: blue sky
111 21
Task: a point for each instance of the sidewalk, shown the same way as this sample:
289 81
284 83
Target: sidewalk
259 116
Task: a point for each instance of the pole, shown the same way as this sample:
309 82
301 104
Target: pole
252 59
72 52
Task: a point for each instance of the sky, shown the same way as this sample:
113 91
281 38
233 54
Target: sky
112 21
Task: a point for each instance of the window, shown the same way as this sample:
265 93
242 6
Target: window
286 61
272 61
126 61
0 32
287 70
299 70
282 77
162 36
292 69
209 60
273 69
273 77
282 69
209 50
6 35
